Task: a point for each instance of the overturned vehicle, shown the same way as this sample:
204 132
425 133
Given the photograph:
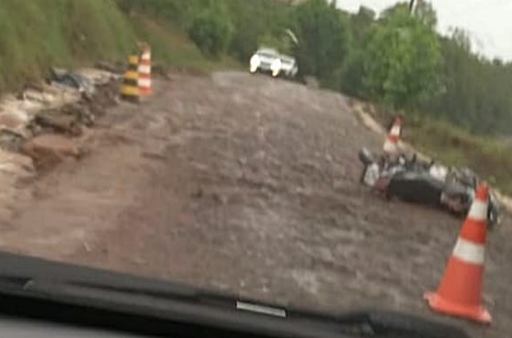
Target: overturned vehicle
416 181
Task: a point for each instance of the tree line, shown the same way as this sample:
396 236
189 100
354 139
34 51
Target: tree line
396 59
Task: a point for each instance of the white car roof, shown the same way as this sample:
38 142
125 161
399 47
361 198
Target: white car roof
267 51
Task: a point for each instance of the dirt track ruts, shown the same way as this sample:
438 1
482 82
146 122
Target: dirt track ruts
248 185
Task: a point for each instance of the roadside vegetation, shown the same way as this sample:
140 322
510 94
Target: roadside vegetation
456 146
38 34
456 102
35 36
171 46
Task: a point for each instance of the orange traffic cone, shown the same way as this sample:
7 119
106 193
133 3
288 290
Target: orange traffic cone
460 291
145 72
391 143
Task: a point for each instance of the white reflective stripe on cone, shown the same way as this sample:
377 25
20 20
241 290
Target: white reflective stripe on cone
390 146
146 56
469 252
478 210
144 69
395 130
144 83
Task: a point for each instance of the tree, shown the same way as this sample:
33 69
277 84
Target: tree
401 60
360 23
352 72
322 32
478 93
425 12
461 38
257 22
211 30
400 7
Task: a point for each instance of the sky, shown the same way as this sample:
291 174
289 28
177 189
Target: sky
489 22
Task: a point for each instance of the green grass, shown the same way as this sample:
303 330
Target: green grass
37 34
171 46
454 146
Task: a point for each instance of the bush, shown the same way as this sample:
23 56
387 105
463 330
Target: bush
211 32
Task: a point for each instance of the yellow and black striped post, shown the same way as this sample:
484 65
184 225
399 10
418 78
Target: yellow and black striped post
130 86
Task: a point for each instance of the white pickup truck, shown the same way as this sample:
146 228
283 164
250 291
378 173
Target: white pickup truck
268 60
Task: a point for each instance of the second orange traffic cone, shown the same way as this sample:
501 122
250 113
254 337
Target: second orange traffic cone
391 143
145 87
460 291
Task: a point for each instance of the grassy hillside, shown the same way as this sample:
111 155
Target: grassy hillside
34 35
455 146
172 47
37 34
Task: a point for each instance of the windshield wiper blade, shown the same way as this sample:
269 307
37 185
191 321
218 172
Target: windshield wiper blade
374 323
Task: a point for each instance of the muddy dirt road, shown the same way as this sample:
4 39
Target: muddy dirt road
247 185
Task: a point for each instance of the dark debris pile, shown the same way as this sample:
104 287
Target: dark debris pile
71 118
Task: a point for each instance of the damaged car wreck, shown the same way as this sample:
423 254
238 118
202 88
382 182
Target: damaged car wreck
416 181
